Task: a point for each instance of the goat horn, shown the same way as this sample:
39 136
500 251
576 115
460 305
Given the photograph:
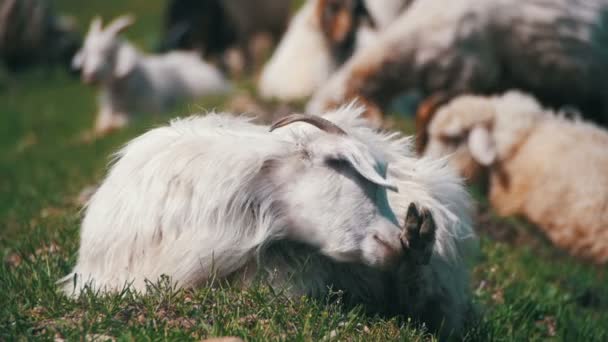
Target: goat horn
120 24
317 121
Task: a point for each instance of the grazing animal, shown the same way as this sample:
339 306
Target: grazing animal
540 165
212 27
132 82
32 33
554 49
320 38
313 204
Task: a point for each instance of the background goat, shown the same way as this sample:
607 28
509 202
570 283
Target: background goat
322 36
31 33
132 82
483 47
220 195
551 170
212 27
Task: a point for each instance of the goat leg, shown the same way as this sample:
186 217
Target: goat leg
418 235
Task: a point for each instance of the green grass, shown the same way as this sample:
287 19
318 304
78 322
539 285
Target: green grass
525 290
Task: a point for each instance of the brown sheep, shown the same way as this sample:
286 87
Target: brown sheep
540 165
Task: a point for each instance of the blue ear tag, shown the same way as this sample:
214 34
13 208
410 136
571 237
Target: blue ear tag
381 168
382 197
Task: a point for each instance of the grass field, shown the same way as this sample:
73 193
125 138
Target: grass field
525 290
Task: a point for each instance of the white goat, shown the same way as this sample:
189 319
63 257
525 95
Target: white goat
220 195
320 37
132 82
555 49
551 170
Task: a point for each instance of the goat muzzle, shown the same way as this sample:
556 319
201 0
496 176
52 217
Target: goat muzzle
89 78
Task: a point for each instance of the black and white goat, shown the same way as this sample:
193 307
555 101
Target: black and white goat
320 38
555 50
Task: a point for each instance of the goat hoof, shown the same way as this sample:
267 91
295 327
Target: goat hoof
418 235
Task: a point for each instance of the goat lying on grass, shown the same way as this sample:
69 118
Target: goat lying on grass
549 169
218 195
132 82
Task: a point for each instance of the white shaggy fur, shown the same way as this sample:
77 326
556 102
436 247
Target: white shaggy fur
132 82
220 195
542 166
303 60
555 49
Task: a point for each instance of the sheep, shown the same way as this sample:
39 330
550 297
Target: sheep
312 205
554 49
321 36
550 169
213 27
132 82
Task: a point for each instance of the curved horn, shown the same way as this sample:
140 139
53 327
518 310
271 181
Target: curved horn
317 121
95 25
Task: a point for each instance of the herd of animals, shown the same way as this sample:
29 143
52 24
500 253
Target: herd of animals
514 96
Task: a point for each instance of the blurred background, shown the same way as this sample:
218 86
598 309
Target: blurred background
45 108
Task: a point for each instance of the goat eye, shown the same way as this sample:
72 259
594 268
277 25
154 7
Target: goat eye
337 164
451 139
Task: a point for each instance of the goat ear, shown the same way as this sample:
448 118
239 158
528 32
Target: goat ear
95 26
78 60
357 156
481 145
126 59
120 24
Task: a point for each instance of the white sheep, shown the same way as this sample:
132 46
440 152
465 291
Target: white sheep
132 82
219 195
544 167
320 37
555 49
